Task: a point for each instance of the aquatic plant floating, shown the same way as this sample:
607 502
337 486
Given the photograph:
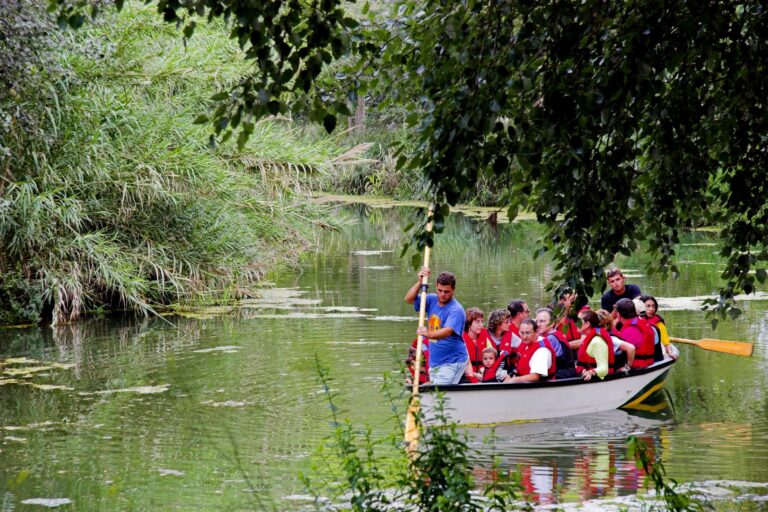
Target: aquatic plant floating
48 502
139 390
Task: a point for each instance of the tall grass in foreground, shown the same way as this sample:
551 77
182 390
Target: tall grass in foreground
123 203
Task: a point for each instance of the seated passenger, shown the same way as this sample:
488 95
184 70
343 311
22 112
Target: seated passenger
409 364
562 310
595 356
490 371
623 352
636 331
536 357
519 311
475 338
501 339
653 318
558 342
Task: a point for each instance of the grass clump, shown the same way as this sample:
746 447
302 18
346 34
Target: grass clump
122 203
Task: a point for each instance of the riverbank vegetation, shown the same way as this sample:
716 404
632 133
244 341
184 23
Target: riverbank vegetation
618 125
110 196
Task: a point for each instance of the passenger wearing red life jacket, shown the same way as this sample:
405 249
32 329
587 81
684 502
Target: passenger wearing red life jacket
596 355
475 338
411 360
652 315
490 371
564 355
562 309
635 330
537 357
518 311
499 338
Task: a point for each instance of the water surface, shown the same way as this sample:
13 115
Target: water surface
220 411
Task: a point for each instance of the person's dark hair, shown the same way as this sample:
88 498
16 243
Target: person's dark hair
530 322
516 307
496 318
626 308
563 294
472 314
613 272
591 318
447 279
646 298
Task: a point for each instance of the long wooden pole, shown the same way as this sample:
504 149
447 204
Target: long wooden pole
737 348
411 428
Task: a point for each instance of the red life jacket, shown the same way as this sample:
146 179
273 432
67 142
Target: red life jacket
424 356
526 351
489 374
568 327
643 353
475 349
586 362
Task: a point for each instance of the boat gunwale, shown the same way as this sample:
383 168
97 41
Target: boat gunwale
572 381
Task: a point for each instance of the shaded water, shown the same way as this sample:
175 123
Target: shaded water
219 412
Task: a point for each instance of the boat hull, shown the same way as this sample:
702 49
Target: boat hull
500 403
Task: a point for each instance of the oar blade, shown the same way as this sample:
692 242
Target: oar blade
411 428
737 348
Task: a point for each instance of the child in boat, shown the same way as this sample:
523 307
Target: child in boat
411 360
653 318
490 371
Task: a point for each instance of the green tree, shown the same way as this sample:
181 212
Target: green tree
615 122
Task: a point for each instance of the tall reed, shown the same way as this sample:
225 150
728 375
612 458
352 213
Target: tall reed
123 203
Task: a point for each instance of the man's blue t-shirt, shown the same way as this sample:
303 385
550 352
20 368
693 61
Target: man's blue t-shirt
609 298
451 349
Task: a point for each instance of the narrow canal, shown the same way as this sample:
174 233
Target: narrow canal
220 410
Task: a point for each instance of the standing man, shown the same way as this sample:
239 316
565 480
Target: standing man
619 290
448 356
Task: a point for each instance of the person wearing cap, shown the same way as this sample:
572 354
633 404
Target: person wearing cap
619 290
636 331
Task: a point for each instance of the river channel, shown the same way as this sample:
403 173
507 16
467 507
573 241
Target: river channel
220 410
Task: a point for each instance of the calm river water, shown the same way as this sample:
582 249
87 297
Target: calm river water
220 411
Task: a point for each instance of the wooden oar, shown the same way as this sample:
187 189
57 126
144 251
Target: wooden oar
411 429
737 348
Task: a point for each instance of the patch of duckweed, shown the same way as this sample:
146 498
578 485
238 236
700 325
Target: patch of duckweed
227 403
19 360
696 302
372 252
170 472
229 349
139 390
48 502
385 318
473 212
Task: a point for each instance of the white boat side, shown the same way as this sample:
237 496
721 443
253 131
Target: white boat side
500 403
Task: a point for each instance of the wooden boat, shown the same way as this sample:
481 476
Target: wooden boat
501 403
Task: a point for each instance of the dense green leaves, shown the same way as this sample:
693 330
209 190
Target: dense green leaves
615 123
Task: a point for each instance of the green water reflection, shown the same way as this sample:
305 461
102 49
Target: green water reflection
220 412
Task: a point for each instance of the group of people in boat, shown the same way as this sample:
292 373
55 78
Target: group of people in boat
517 344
